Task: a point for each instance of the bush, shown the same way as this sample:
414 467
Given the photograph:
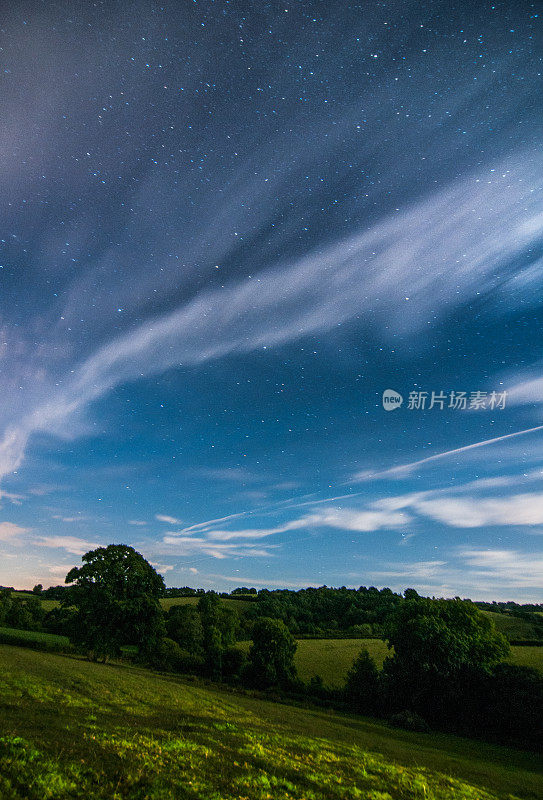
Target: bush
512 700
170 657
363 689
409 721
234 663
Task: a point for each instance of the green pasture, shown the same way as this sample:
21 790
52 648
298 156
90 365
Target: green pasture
511 627
44 640
71 728
332 658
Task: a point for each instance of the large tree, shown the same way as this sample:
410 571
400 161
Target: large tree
441 649
116 596
271 655
219 626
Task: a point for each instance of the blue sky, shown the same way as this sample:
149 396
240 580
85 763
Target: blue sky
227 229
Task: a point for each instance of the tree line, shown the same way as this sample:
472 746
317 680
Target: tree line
446 669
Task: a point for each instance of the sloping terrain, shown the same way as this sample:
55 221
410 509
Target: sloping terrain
70 728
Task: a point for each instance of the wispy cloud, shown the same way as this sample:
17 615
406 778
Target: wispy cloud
59 571
221 543
167 519
510 568
10 532
16 499
475 572
404 469
527 391
341 518
190 545
69 543
162 568
436 252
475 512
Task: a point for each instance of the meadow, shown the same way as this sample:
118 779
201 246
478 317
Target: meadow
332 658
74 728
37 639
511 627
46 604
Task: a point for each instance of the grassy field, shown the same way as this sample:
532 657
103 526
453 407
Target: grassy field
71 728
331 658
240 605
528 657
47 605
511 627
47 640
166 602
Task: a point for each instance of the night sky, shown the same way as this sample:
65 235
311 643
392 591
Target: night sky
226 229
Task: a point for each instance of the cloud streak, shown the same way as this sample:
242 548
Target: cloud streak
435 252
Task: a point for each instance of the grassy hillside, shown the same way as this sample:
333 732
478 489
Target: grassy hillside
75 729
528 657
511 627
47 605
332 658
241 606
47 641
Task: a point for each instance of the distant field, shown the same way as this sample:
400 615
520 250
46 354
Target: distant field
332 658
511 627
15 636
167 602
47 605
527 657
71 728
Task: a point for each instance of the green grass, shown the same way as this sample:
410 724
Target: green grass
29 638
332 658
46 604
168 602
527 657
71 728
241 606
511 627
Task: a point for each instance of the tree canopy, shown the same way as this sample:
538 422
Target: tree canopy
271 655
440 646
115 594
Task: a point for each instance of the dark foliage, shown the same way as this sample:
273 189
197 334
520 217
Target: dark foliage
25 613
115 594
271 655
363 688
325 611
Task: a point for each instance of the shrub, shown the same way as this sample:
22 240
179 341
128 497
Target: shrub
363 689
409 721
